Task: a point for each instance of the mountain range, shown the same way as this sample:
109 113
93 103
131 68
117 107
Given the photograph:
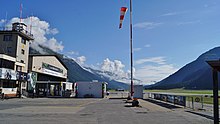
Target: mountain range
195 75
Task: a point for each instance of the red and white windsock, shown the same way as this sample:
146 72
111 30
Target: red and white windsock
122 13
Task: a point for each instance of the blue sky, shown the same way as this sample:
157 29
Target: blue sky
167 33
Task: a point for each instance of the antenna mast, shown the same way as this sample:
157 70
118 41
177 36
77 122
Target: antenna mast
31 24
131 47
6 17
21 6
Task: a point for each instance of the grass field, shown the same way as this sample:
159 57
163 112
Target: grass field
202 92
206 100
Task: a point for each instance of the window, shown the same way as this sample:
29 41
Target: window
9 84
23 41
18 68
9 49
23 84
7 38
6 64
22 51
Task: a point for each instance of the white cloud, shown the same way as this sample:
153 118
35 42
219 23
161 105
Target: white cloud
147 25
189 22
137 49
147 45
2 21
153 69
52 31
54 44
115 67
73 53
172 13
157 60
150 74
169 14
40 30
80 60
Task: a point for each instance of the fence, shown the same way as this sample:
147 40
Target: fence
118 94
195 102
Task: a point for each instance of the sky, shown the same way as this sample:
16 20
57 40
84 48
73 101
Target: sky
167 34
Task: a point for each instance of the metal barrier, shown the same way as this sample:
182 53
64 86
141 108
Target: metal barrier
118 94
195 102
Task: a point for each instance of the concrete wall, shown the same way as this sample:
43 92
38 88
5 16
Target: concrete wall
90 88
22 57
138 91
5 44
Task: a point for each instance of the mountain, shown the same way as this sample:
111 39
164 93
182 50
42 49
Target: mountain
78 73
195 75
113 76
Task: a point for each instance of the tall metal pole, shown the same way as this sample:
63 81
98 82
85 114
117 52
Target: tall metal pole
131 48
215 96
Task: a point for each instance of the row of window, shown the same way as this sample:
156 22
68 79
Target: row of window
9 38
6 64
9 84
9 64
9 50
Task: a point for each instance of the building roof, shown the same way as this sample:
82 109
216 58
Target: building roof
23 34
32 55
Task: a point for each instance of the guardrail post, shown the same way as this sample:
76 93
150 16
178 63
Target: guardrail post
202 101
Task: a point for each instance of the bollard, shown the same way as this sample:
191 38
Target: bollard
202 101
135 102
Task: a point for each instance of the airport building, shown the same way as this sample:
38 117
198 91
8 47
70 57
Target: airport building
47 76
14 51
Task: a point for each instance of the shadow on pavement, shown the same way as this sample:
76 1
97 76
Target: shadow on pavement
117 98
203 115
166 105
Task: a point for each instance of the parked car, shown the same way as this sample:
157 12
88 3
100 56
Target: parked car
119 90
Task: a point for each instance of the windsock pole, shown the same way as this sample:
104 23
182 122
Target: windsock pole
131 48
122 13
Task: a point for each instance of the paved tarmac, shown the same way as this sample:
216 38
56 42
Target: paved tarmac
91 111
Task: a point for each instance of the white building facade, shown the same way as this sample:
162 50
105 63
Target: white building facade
47 76
14 50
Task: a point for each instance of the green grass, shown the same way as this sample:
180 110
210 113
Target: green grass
209 92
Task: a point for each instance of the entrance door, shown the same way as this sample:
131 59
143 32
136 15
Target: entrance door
41 89
52 89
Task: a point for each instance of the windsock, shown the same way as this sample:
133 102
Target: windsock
122 13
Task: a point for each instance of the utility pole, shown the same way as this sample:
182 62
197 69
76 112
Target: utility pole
131 48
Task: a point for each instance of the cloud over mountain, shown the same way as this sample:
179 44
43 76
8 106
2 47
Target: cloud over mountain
42 32
153 69
115 66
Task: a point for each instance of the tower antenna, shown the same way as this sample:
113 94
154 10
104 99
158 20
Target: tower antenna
6 17
21 6
31 24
